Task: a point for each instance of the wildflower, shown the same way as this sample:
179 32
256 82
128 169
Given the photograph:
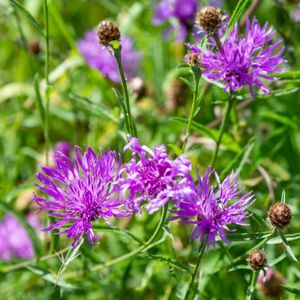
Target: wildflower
15 241
99 57
257 260
280 215
181 12
244 61
107 32
270 283
212 209
154 177
82 192
296 14
62 147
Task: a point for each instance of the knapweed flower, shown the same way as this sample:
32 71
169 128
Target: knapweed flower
179 12
62 147
244 61
152 176
82 192
99 57
296 14
211 209
14 240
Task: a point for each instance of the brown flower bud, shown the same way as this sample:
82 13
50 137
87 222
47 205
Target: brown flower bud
107 32
176 95
138 87
209 19
194 58
257 260
34 47
280 215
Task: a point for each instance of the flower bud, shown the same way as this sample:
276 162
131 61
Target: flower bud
280 215
34 47
209 19
257 260
107 32
194 58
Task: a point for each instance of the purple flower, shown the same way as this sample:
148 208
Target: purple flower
62 148
98 57
154 177
82 192
244 61
14 240
296 14
211 209
180 11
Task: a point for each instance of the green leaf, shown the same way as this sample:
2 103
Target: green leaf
28 15
188 83
288 237
247 236
31 232
288 249
49 277
277 260
38 99
281 119
240 267
283 197
291 289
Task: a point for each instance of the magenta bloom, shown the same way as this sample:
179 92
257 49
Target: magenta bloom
14 240
296 14
182 12
245 61
211 209
98 57
82 192
154 177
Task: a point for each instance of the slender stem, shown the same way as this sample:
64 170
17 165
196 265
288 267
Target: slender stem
140 249
229 105
128 117
217 40
195 96
192 279
251 287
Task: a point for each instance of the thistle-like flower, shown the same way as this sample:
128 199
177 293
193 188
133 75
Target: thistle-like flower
15 241
245 61
82 192
99 57
154 177
212 209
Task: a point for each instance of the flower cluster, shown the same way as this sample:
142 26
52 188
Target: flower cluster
94 187
99 57
15 241
243 60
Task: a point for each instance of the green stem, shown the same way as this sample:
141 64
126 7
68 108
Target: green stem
229 105
127 111
144 247
201 251
251 287
217 40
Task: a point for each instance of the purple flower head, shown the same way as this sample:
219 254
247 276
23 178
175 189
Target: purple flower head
154 177
98 57
179 12
14 240
296 14
244 61
212 209
81 192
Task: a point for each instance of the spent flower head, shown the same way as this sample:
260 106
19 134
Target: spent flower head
81 192
245 61
152 176
99 57
212 208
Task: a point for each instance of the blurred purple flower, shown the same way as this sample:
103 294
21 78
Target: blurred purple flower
14 240
98 57
81 192
245 60
154 177
296 14
212 209
62 148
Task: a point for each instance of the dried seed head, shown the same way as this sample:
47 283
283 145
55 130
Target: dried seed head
107 32
270 284
194 58
34 47
138 87
176 95
209 19
257 260
280 215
